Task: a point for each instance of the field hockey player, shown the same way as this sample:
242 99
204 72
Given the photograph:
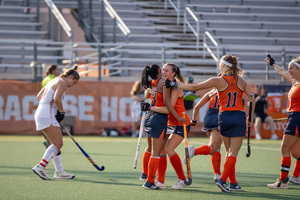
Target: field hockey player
232 117
290 144
48 115
212 131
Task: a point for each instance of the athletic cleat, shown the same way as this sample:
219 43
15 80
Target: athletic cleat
295 180
40 172
191 150
278 185
222 185
274 137
160 185
143 177
63 175
257 136
234 187
150 186
179 185
217 177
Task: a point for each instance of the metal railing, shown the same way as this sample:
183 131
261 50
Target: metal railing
117 21
216 56
196 32
64 24
176 8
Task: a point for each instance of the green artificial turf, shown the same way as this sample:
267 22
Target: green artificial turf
120 181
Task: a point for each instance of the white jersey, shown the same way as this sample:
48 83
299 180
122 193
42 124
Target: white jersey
46 111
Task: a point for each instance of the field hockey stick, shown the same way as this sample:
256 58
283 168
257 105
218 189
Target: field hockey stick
187 156
280 119
86 155
249 127
139 140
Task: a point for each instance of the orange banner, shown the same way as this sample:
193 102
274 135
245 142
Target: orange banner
95 104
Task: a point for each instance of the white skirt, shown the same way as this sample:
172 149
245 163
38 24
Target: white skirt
45 116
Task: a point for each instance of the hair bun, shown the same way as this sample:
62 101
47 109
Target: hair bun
75 67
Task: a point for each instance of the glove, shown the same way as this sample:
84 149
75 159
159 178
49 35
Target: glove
59 116
145 106
171 84
270 59
193 122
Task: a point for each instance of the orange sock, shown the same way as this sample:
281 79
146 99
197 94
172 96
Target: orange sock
146 158
297 168
177 165
232 176
216 162
203 150
161 172
152 167
228 165
285 167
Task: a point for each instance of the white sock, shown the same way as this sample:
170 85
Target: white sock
58 163
48 155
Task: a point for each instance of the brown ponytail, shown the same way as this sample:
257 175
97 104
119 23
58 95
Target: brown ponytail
71 71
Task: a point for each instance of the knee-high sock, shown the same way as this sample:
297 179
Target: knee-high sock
177 165
297 168
216 162
228 166
161 172
152 168
48 155
285 167
58 163
203 150
146 158
232 176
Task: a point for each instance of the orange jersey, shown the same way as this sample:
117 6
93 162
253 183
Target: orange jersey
179 108
214 101
294 98
231 99
157 97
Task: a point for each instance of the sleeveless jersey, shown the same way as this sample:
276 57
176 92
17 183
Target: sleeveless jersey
214 101
231 99
294 98
179 108
157 98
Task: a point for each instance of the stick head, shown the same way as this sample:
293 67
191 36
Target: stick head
248 155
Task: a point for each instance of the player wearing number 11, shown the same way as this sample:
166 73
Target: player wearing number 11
232 117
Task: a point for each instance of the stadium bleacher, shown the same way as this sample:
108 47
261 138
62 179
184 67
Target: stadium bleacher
246 28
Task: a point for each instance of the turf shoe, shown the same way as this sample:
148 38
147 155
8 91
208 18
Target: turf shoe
191 150
217 177
143 177
222 185
234 187
279 185
179 185
150 186
40 172
160 184
295 180
63 175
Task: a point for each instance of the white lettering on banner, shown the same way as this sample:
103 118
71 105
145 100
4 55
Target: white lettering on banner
12 108
124 101
84 108
106 109
25 105
278 126
70 108
1 107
